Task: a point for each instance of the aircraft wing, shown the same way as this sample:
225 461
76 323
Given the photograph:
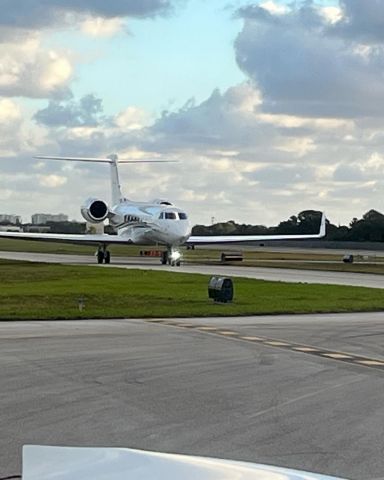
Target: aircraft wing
67 238
207 240
67 463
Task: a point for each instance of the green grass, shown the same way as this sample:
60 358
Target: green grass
43 291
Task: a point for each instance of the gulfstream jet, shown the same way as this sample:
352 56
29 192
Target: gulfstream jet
144 223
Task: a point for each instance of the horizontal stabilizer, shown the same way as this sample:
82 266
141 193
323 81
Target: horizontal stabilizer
148 161
75 159
101 160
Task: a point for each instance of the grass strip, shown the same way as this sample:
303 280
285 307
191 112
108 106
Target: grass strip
297 260
46 291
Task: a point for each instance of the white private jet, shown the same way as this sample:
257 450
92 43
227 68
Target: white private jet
145 223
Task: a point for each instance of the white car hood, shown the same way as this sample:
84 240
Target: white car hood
79 463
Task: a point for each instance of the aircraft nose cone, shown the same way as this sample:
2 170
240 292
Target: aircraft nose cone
187 230
183 231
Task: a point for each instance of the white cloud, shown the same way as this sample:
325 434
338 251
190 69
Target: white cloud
101 27
331 14
303 65
28 70
10 112
274 8
292 121
132 118
192 196
133 153
297 146
57 72
15 136
52 181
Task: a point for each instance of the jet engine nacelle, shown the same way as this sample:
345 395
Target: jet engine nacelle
94 210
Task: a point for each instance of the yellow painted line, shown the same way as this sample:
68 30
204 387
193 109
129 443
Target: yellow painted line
275 343
253 339
305 349
278 343
370 362
336 356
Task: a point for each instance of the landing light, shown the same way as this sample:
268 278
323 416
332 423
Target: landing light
175 256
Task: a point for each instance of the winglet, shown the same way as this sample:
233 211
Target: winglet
323 226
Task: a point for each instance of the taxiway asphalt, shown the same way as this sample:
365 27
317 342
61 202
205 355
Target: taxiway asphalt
273 274
191 386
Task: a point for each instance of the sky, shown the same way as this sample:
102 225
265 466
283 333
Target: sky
269 107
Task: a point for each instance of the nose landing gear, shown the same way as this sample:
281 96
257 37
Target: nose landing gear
171 257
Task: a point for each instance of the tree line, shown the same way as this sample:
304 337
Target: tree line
369 228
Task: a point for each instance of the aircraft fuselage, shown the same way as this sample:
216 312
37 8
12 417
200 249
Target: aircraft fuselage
145 223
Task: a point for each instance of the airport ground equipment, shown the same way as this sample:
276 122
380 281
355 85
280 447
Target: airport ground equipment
231 257
348 258
220 289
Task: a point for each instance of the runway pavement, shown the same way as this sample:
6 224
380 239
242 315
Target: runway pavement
274 274
200 386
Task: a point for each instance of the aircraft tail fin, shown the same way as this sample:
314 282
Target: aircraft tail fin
116 194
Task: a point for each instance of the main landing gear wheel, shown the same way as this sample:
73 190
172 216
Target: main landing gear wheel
100 256
103 256
164 258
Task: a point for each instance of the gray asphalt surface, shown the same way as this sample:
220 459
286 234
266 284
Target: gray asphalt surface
146 385
274 274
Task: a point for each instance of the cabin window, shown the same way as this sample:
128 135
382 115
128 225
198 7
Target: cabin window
131 219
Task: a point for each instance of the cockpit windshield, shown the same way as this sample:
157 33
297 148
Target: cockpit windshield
173 216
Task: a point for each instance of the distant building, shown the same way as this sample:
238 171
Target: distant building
36 229
10 219
43 218
10 228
